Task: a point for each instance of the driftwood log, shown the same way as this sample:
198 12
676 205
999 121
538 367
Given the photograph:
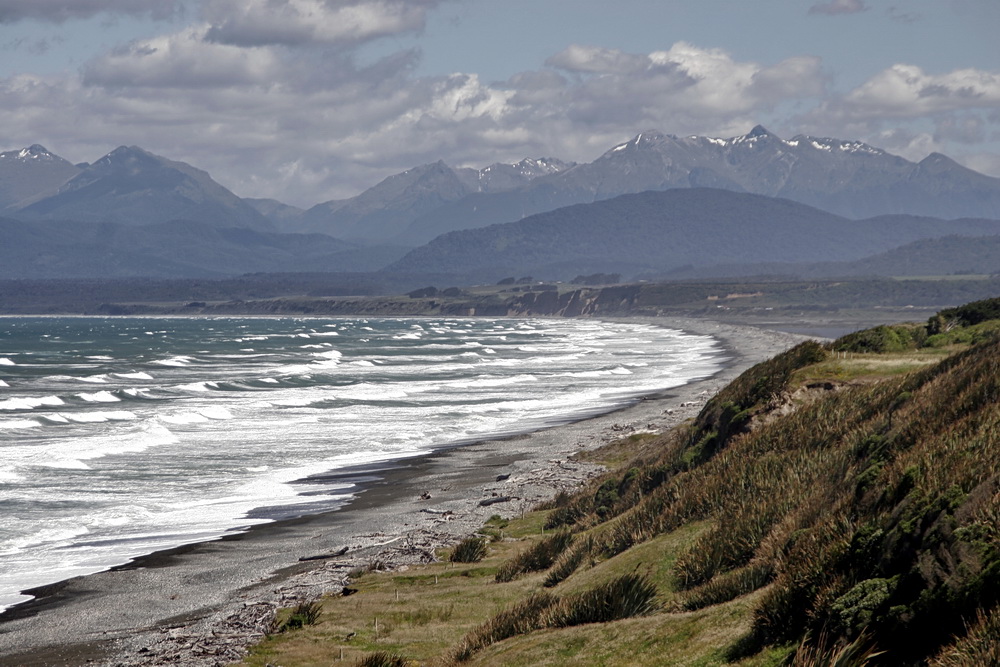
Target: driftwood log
335 554
494 501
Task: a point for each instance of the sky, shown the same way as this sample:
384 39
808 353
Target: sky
306 101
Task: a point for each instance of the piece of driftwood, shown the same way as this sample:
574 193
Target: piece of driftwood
335 554
494 501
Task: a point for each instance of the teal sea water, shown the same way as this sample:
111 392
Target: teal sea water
124 436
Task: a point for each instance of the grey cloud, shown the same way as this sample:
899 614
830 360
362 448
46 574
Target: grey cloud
36 47
180 60
970 129
60 11
304 22
902 15
596 60
800 76
835 7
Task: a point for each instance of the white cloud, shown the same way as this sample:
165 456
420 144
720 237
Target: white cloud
906 91
835 7
60 11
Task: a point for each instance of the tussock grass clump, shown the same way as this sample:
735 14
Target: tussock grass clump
568 563
522 618
624 597
825 653
305 613
981 646
469 550
539 557
729 586
383 659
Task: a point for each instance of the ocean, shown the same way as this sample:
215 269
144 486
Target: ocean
124 436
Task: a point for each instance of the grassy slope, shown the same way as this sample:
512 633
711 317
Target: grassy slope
823 500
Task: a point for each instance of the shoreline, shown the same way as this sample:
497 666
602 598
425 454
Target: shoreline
208 601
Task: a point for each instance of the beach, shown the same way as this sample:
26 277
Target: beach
204 604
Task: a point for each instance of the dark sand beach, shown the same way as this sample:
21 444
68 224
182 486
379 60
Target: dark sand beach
203 604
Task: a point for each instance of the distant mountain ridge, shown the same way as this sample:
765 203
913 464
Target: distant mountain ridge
385 211
849 178
30 173
659 231
132 186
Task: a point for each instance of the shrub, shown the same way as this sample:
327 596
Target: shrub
469 550
880 339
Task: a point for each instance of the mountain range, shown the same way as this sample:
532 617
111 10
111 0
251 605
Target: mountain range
132 188
655 232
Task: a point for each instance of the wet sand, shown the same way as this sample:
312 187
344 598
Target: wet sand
203 604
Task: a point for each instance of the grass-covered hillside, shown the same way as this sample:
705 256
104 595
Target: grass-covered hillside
837 504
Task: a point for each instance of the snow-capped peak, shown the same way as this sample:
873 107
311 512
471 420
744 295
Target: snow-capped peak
758 133
32 152
831 145
644 139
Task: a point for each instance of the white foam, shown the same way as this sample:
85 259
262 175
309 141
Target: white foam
10 424
100 397
97 417
139 375
55 418
184 418
198 386
26 403
368 391
4 361
3 384
174 361
216 412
